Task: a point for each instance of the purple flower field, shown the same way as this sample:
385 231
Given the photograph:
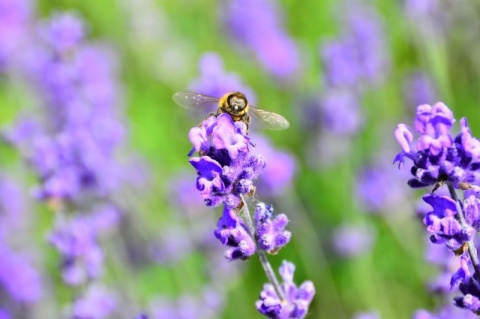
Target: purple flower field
239 159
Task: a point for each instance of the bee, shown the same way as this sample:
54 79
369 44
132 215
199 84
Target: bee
236 105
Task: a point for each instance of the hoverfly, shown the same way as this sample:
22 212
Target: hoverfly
235 104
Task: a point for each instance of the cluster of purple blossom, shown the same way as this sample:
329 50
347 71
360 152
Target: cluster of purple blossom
438 159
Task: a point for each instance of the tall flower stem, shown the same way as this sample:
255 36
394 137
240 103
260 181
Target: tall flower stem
262 255
472 251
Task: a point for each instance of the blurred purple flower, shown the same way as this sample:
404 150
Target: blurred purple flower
215 81
327 149
75 152
341 113
173 245
298 298
375 190
185 194
4 314
367 315
77 242
352 240
421 7
18 276
63 31
420 89
358 57
353 62
263 34
429 17
379 187
103 218
208 305
280 170
366 30
15 22
339 63
12 206
97 303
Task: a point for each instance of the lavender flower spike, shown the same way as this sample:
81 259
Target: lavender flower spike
298 298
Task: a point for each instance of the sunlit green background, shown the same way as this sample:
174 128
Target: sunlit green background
391 277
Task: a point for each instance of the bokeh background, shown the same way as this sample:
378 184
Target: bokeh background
85 100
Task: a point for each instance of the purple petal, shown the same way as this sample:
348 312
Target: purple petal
404 137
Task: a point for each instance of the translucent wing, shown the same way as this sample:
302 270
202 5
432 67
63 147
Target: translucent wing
269 119
192 101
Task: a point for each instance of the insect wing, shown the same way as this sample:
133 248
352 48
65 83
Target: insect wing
269 119
194 101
